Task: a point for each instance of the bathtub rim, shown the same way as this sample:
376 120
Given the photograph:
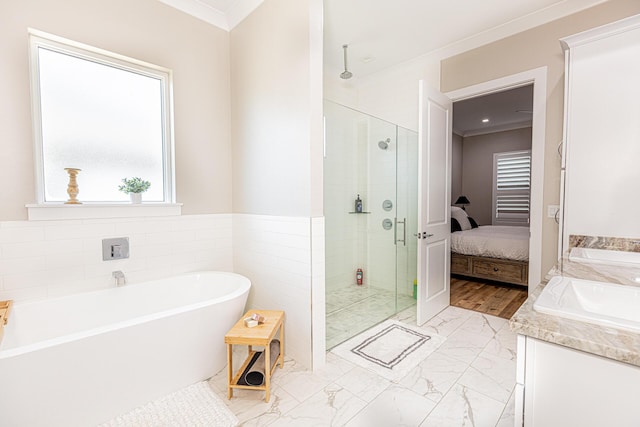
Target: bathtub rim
245 287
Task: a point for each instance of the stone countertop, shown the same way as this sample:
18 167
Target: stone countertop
616 344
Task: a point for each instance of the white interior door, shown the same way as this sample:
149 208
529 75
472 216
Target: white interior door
434 201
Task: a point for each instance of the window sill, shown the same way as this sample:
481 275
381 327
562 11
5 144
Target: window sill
59 211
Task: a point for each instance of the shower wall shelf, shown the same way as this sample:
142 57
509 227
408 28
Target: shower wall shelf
359 213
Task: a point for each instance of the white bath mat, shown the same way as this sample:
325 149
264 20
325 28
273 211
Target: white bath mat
192 406
391 349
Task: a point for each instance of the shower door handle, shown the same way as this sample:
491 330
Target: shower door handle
404 232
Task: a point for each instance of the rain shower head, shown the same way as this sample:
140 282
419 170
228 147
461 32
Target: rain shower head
346 74
384 144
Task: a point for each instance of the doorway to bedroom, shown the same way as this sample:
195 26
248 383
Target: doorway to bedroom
490 193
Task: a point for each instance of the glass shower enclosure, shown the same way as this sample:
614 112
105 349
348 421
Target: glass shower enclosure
371 250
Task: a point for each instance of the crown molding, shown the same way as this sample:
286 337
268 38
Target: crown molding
225 20
240 10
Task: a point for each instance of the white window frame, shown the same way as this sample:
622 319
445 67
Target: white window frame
512 218
38 39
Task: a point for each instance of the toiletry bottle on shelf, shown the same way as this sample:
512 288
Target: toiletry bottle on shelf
359 276
358 204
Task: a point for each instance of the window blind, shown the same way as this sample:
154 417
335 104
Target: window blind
511 187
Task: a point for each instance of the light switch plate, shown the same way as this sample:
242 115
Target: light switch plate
115 248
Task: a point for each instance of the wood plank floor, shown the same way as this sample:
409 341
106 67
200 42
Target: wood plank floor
487 297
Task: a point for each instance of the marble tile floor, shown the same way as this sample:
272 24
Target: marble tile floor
353 309
468 381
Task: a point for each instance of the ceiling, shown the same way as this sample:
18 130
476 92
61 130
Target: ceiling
505 110
384 33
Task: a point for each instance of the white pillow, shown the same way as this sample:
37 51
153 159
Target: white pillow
461 216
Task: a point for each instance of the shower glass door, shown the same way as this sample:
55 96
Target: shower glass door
369 159
407 211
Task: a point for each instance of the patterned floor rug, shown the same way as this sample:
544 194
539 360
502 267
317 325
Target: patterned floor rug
193 406
391 349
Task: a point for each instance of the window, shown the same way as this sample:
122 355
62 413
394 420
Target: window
103 113
511 187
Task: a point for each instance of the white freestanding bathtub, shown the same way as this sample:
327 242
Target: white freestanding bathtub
83 359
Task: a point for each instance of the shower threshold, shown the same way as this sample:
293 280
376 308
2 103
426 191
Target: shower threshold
354 309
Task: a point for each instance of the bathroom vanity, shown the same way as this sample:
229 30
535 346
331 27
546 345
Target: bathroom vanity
578 353
577 372
567 387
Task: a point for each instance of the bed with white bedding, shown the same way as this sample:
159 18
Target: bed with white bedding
493 241
499 253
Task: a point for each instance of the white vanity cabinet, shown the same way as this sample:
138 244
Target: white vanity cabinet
560 387
601 149
600 181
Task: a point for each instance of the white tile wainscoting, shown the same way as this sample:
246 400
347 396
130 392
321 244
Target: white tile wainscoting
282 256
40 259
276 254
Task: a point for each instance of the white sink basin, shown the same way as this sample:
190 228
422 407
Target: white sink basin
602 256
602 303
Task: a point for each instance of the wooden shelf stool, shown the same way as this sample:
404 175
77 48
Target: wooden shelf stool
260 335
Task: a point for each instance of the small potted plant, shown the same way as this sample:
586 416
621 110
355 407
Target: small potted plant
134 187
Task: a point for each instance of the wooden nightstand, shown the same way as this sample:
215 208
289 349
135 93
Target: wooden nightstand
260 335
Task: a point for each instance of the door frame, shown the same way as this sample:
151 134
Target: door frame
537 77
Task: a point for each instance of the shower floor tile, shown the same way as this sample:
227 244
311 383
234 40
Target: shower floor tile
353 309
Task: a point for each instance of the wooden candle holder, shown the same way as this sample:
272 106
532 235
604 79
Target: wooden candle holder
72 188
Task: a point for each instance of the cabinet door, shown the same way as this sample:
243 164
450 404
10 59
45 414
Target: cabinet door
602 130
565 387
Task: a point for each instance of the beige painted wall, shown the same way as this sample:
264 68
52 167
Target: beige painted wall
198 54
525 51
276 109
477 167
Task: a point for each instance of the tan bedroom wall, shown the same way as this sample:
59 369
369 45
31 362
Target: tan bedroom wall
531 49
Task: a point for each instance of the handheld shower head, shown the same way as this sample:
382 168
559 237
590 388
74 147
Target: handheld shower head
346 74
384 144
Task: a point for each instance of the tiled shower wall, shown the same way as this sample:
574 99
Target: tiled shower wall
346 249
381 183
41 259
